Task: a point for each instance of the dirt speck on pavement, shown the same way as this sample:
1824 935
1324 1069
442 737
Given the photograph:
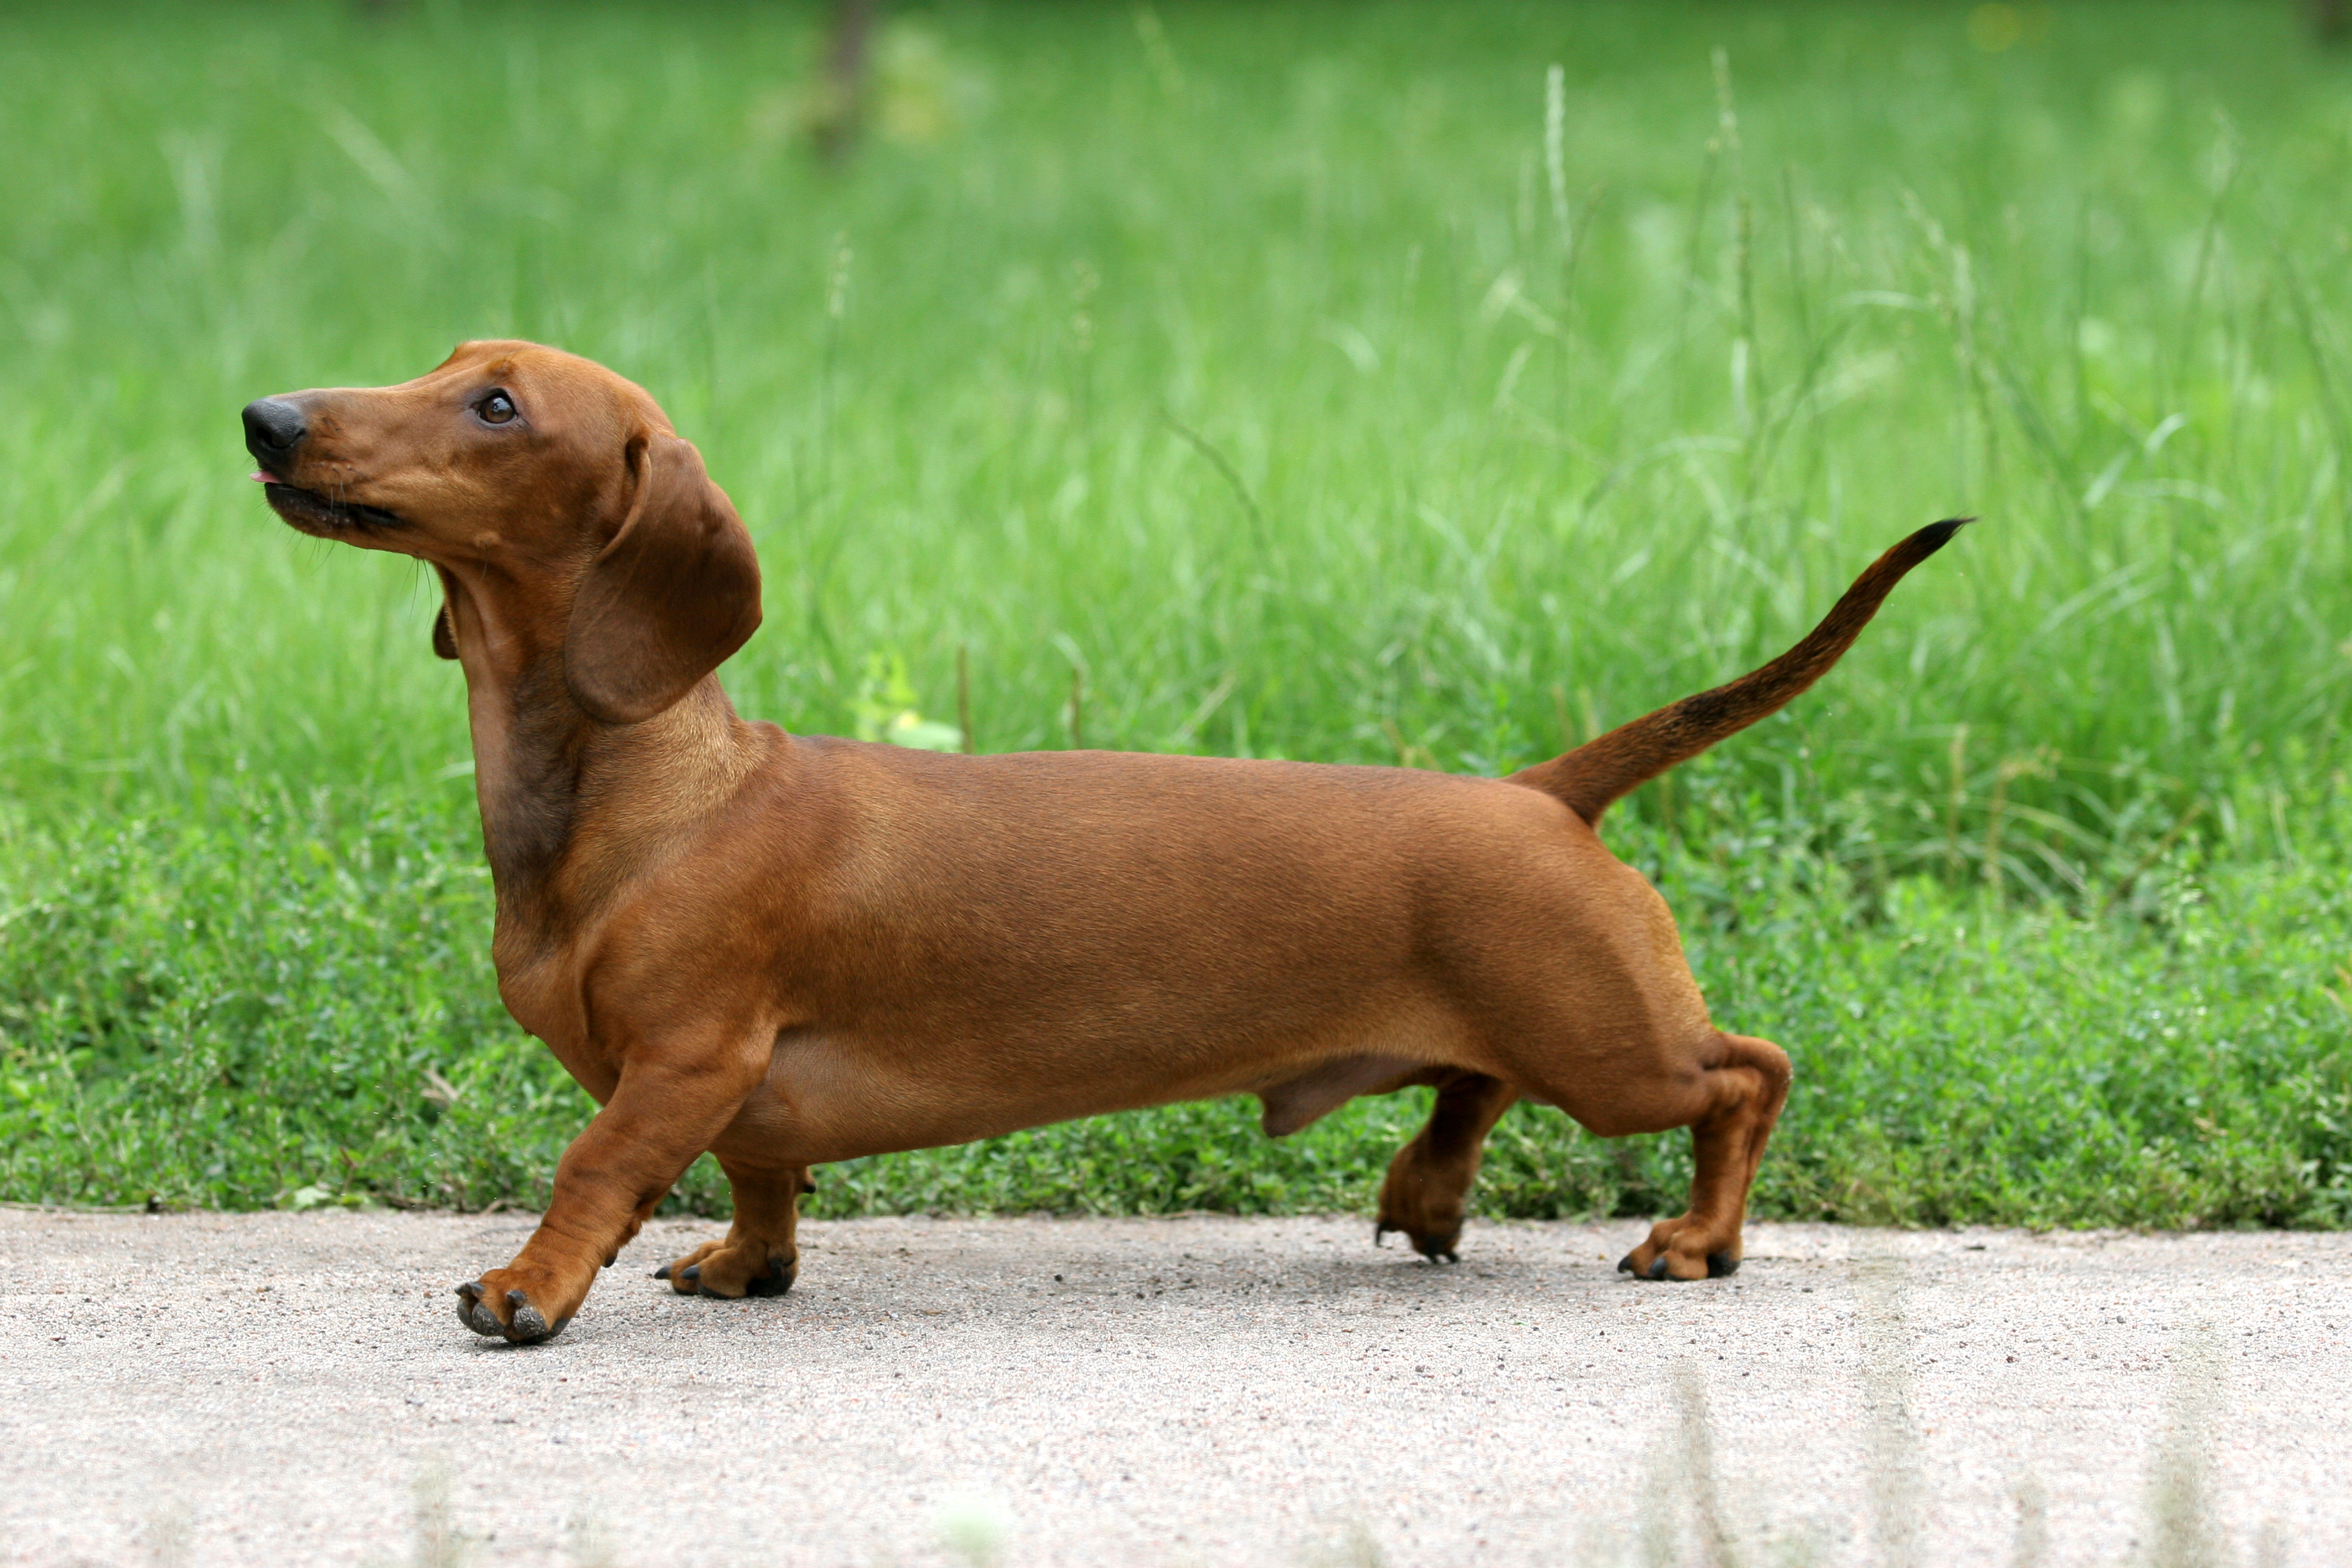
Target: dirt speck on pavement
270 1388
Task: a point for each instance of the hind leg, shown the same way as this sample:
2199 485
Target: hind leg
1429 1180
759 1256
1737 1099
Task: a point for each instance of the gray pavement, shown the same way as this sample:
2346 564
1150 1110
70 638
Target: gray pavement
285 1389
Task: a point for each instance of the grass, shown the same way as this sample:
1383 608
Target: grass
1683 1519
1285 380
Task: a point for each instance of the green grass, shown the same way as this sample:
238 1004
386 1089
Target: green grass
1258 381
204 1025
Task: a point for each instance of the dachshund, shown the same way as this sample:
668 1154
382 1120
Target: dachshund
791 950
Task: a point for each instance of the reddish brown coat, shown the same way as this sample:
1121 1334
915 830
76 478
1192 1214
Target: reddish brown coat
791 950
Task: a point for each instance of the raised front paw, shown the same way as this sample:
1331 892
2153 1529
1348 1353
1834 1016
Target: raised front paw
501 1305
1438 1241
731 1269
1428 1213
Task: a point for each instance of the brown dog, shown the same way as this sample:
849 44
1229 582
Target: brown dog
789 950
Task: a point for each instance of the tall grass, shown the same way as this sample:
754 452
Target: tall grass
1307 380
1681 1516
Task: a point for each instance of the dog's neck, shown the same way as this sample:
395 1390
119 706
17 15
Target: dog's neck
570 805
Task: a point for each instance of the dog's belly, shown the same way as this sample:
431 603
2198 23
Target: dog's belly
831 1098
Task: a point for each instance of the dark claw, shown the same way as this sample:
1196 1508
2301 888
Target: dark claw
781 1274
1721 1266
1626 1264
1435 1246
1658 1267
475 1314
663 1272
529 1327
1380 1232
691 1273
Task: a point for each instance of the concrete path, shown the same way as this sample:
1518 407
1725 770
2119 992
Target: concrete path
296 1389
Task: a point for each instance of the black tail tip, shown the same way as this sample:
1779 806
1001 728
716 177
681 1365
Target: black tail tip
1936 535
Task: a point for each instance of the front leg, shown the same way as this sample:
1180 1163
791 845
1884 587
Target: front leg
1428 1182
665 1110
759 1256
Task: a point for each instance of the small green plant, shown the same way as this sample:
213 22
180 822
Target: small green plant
1682 1521
1354 1546
974 1529
884 708
587 1543
2182 1530
435 1540
169 1539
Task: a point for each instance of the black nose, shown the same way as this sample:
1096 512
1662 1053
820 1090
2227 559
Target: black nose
273 428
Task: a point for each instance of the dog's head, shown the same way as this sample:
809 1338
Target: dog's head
555 475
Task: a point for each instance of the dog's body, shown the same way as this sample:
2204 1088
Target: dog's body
791 951
1103 932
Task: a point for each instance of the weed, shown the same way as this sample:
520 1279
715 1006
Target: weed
2182 1531
1347 384
974 1529
435 1540
168 1538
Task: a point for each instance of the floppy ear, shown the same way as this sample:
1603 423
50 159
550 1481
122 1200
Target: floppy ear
671 595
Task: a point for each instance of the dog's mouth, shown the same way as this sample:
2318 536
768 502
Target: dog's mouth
314 513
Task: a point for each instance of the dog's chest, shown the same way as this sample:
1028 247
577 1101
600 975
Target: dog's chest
544 998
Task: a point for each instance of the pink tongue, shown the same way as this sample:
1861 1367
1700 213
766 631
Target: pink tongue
266 478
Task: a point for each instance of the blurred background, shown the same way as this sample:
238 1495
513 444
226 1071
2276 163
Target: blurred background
1388 383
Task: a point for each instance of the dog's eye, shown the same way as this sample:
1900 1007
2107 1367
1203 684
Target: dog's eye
496 409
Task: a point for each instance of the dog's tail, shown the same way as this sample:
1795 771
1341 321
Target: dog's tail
1603 769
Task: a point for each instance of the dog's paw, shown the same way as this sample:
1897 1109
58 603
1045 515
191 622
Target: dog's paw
508 1314
1425 1211
1438 1246
1676 1250
729 1272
